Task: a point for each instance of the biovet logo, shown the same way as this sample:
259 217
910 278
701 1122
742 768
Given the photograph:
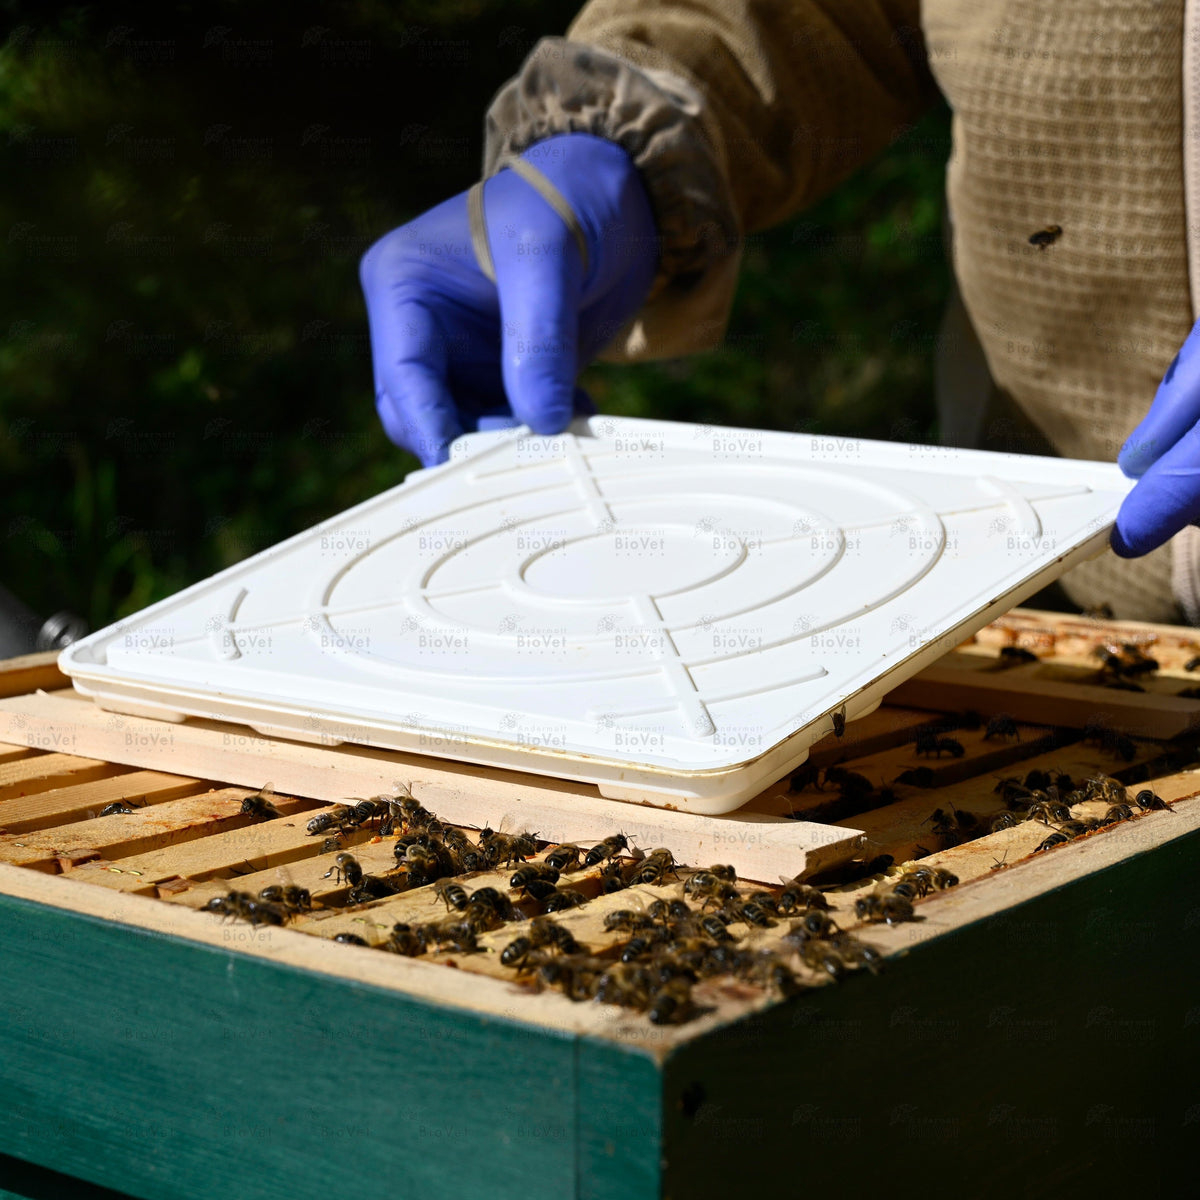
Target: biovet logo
348 640
735 444
740 737
541 641
540 541
630 446
639 641
148 639
442 541
837 640
345 541
646 738
733 639
639 544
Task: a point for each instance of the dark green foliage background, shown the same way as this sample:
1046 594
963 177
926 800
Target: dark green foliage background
185 192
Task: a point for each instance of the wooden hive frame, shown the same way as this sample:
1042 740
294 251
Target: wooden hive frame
134 1017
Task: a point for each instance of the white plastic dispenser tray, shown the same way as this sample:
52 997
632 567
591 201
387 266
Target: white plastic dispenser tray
671 612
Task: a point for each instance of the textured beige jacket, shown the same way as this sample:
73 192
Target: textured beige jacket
1071 112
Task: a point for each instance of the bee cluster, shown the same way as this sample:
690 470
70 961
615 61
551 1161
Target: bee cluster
670 945
1049 798
647 958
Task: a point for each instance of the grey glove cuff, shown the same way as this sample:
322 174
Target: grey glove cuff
656 118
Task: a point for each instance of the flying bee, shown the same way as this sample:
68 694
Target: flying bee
258 806
562 899
1002 726
796 896
452 894
345 869
564 858
609 848
1045 237
657 865
1149 801
334 818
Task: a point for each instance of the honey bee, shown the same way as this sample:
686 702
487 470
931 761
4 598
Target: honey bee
803 777
294 899
1014 656
453 932
452 894
921 777
1117 812
1055 839
493 899
672 1004
545 931
1192 664
709 888
745 911
482 917
506 849
657 865
371 887
609 848
465 856
345 869
641 944
576 975
796 896
117 808
1149 801
952 823
531 872
884 906
820 956
1045 237
350 939
767 901
856 953
1048 811
562 899
564 858
425 863
612 877
1003 821
1104 787
258 806
625 984
1002 726
334 818
839 722
850 784
404 940
249 908
1078 828
627 920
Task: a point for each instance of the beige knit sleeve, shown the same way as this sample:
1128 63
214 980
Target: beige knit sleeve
737 113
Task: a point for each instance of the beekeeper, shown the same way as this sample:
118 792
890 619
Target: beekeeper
624 164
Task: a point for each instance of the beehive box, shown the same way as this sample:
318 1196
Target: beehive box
1032 1030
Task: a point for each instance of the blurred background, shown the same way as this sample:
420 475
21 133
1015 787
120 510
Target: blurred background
185 192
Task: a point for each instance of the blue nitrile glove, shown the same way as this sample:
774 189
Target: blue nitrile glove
454 351
1163 454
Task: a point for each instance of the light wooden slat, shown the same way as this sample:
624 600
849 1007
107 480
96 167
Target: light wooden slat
81 802
966 681
28 672
43 772
151 828
253 848
760 846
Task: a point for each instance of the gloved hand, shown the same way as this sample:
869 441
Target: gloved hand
454 351
1163 454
